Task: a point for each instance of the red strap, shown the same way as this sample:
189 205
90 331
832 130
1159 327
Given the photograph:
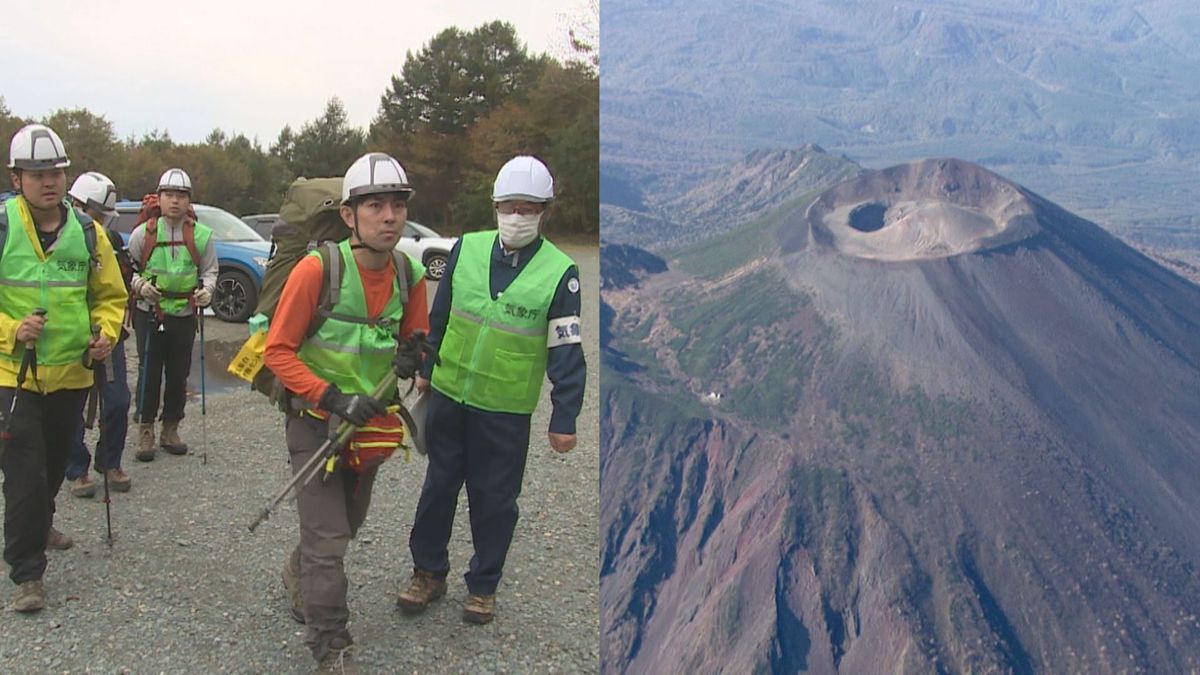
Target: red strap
149 241
189 240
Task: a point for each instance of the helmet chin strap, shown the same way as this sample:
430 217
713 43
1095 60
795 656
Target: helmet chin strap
361 242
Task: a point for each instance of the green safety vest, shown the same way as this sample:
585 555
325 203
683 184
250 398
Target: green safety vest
176 273
349 349
493 354
59 283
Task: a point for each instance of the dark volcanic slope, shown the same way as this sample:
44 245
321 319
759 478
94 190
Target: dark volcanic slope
958 429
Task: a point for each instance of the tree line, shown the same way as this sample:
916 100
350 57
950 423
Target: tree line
460 107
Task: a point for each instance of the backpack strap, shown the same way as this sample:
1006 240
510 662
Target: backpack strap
189 240
331 285
3 227
400 264
331 288
89 238
151 240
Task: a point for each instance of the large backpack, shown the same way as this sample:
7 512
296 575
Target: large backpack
310 220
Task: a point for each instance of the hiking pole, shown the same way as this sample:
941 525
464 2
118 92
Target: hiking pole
28 360
144 361
324 453
203 412
101 377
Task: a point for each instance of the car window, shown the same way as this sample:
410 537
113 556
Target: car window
225 225
125 222
262 224
412 229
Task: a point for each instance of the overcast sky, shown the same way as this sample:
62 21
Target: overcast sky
248 66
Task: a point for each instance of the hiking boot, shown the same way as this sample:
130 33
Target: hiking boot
58 541
83 487
146 449
30 597
118 480
291 581
339 660
479 609
423 589
170 440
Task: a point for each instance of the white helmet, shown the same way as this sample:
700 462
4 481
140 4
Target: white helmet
175 179
95 190
374 173
35 147
524 178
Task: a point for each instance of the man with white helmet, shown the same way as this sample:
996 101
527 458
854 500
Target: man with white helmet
57 279
506 315
331 357
177 267
96 195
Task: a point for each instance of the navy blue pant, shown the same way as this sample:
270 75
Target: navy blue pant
486 451
113 421
43 426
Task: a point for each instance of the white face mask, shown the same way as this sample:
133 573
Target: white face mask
516 230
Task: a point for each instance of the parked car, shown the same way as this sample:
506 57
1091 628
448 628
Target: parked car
262 223
241 255
431 248
418 241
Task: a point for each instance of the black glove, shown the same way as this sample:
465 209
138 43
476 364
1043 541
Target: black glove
408 355
354 408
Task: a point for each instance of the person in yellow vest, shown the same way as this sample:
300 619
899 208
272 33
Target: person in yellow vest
58 279
506 315
174 282
331 358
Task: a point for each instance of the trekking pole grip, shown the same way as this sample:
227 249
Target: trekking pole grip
382 391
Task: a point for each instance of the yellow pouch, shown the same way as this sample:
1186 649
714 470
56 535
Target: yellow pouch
249 359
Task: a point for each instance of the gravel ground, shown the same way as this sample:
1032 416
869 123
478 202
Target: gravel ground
186 588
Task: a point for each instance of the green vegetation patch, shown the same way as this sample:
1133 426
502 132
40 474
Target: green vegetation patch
871 409
821 514
755 340
716 257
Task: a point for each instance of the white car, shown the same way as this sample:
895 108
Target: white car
432 249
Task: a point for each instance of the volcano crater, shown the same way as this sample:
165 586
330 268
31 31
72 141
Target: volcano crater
929 209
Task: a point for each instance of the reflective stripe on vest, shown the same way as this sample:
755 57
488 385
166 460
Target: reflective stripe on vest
493 355
58 283
354 356
171 263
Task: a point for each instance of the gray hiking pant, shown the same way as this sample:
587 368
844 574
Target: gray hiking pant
330 515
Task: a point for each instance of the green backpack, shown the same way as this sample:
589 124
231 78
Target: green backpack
309 220
308 217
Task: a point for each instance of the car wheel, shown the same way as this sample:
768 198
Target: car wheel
435 266
235 298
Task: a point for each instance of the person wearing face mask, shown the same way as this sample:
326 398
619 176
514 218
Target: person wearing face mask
96 195
505 316
177 275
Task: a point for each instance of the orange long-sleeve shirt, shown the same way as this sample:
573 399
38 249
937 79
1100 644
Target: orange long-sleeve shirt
298 304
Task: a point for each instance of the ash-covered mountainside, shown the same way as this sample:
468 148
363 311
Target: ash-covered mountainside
938 423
